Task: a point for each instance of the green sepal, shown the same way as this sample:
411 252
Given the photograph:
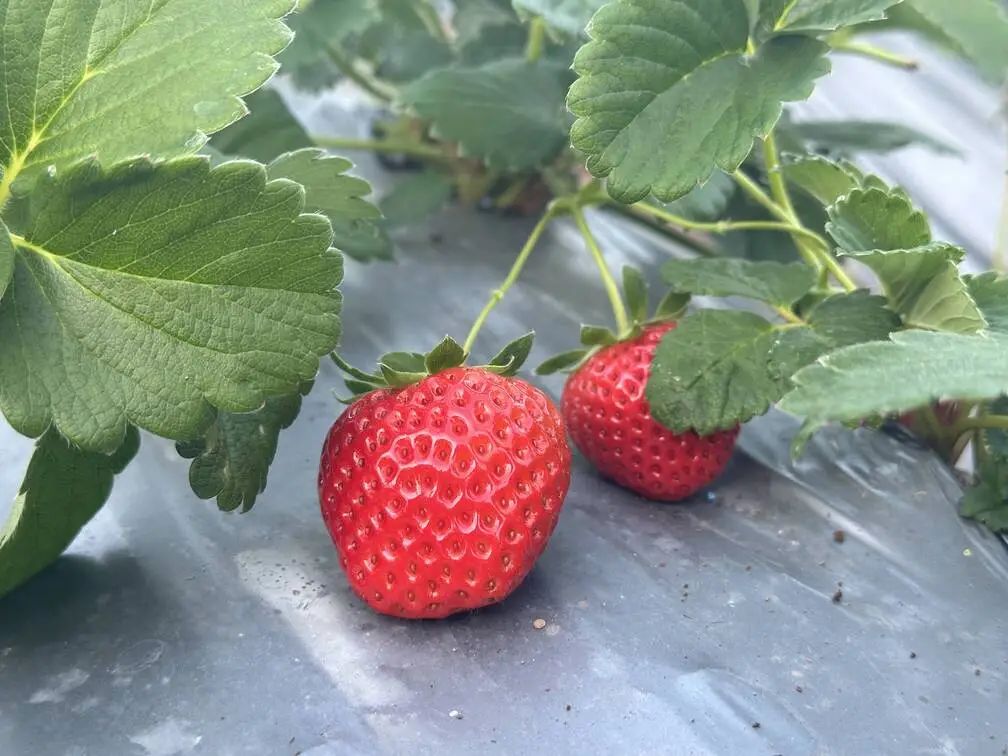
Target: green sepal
400 378
672 306
509 360
562 361
349 369
448 354
404 362
635 294
360 387
593 336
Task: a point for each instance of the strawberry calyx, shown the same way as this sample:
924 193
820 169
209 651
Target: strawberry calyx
398 370
596 338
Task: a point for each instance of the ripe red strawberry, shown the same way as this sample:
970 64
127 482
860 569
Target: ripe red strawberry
608 417
440 496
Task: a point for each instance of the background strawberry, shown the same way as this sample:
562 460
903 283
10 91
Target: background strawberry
608 417
440 496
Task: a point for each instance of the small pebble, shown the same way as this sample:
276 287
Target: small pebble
755 725
455 714
539 623
913 654
838 596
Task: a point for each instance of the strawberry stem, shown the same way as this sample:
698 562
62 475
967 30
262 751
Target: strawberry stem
726 226
498 294
988 422
536 39
413 149
778 187
876 53
611 287
366 82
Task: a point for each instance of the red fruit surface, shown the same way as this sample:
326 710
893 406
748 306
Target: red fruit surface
440 497
608 417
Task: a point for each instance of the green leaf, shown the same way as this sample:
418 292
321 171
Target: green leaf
513 355
7 255
63 489
987 501
975 29
232 459
635 294
824 179
912 369
415 198
562 361
852 318
122 78
448 354
667 92
329 190
151 294
593 335
864 136
882 230
722 367
714 370
267 131
925 287
564 16
990 292
775 283
318 28
483 108
873 219
706 202
820 15
672 305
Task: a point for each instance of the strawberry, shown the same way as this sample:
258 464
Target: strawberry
608 417
441 495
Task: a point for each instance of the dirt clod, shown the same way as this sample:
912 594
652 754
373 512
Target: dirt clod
839 536
838 596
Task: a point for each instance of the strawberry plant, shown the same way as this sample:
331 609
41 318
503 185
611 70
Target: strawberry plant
154 279
863 319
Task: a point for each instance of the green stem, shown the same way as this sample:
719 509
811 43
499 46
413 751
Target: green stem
612 289
788 315
727 226
536 39
879 54
380 90
413 149
818 255
755 192
677 234
778 187
990 422
498 294
838 272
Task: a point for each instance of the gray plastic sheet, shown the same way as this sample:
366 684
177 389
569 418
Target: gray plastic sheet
734 623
